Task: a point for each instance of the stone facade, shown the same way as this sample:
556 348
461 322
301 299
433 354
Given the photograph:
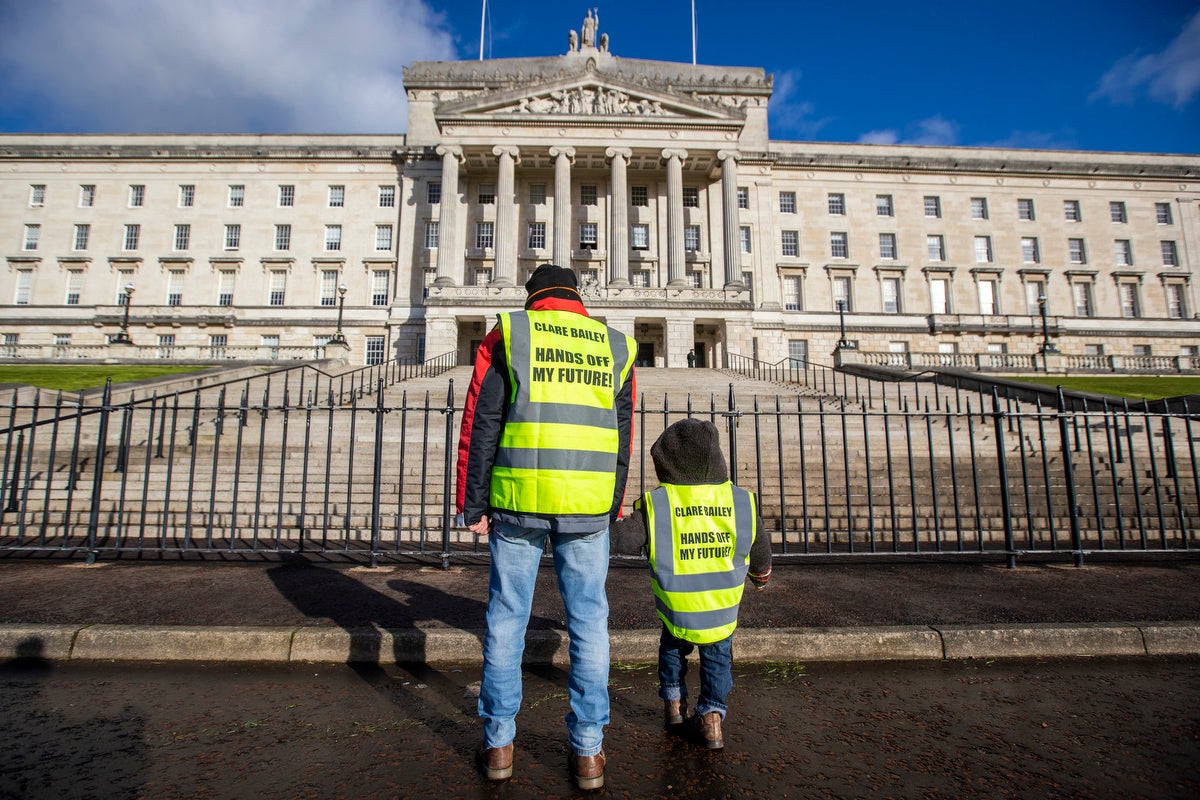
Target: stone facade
657 182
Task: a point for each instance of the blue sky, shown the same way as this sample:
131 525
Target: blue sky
1058 74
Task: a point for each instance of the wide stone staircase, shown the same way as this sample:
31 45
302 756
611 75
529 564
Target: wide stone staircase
364 463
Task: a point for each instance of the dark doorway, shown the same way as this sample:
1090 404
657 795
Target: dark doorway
645 355
701 355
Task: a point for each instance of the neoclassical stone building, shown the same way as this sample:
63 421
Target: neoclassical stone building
657 182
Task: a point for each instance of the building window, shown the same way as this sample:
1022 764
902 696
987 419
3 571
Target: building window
74 286
793 293
337 196
939 296
1071 211
24 288
743 198
887 246
1162 213
233 237
237 196
433 193
935 247
166 345
137 195
432 230
979 208
694 278
1076 252
87 195
933 207
283 237
216 345
483 276
839 244
33 235
1029 250
1034 292
638 196
639 236
787 202
487 194
691 197
587 194
748 280
837 204
183 237
842 300
387 196
537 194
82 234
588 236
383 237
485 233
133 234
1170 254
1093 349
790 241
983 249
329 284
379 286
277 288
537 236
691 238
124 278
270 343
62 341
1142 350
1176 301
287 196
1082 293
225 282
375 350
1128 293
890 287
797 353
1123 252
987 297
37 195
1116 210
640 278
744 238
333 238
1025 209
884 206
175 287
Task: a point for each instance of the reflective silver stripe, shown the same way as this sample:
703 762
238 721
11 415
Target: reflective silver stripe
564 460
664 547
620 351
518 346
698 620
564 413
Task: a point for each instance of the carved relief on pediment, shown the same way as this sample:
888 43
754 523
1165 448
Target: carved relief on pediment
588 100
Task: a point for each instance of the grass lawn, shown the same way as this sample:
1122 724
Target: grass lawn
1131 386
73 378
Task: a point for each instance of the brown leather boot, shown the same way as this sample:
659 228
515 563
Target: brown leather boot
588 771
706 730
496 762
674 712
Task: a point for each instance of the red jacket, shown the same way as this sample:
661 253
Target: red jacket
487 409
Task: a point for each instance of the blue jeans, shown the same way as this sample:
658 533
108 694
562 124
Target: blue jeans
716 671
581 564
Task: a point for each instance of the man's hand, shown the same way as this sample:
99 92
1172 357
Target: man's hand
481 527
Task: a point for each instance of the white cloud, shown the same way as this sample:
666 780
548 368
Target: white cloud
935 130
1171 77
790 116
885 136
312 66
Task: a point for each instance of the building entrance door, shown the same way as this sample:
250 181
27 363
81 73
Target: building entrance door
645 354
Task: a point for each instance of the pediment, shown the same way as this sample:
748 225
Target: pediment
588 95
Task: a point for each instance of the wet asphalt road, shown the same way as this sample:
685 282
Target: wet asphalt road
1081 728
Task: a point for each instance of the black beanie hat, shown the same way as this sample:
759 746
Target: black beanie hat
551 280
689 452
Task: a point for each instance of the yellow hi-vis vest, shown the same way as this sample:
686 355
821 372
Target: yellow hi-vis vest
558 451
699 553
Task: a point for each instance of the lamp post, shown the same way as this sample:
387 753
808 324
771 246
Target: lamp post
338 338
841 307
1047 345
122 336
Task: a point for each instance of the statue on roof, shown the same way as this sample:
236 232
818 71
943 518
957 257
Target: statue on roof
590 22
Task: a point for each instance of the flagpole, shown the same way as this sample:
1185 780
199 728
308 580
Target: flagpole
693 32
482 17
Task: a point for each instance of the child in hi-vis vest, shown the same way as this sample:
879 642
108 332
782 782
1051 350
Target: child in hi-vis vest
702 535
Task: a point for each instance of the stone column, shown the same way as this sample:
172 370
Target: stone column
618 252
563 156
733 250
505 244
450 260
675 259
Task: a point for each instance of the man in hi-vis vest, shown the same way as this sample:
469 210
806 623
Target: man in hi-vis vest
544 452
702 536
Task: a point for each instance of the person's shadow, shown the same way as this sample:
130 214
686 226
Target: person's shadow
52 753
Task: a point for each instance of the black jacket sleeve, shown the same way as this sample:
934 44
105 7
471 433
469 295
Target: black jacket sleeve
760 557
624 407
628 536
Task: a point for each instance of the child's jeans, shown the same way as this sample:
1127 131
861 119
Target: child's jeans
716 672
